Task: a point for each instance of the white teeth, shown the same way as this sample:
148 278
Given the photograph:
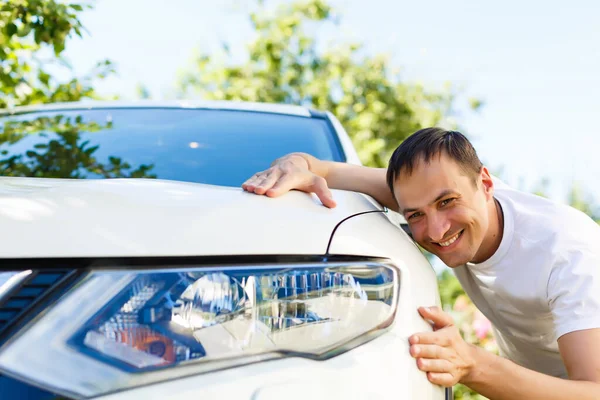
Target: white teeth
449 242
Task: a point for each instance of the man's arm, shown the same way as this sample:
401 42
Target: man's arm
449 360
499 378
301 171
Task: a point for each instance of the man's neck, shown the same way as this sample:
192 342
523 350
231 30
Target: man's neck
493 238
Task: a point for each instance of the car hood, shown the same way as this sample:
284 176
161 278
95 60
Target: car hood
143 217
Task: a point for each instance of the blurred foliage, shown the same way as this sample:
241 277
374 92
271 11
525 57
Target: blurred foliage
576 198
450 288
579 200
285 65
33 35
142 92
62 153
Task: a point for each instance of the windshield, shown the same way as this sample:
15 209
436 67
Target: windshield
206 146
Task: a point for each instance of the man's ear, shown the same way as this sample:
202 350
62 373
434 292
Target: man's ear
487 183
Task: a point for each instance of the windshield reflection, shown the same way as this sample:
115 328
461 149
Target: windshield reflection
60 151
218 147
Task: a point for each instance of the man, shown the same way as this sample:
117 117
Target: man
530 265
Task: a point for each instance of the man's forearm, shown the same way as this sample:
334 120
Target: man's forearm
356 178
498 378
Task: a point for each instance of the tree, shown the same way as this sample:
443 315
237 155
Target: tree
285 65
33 34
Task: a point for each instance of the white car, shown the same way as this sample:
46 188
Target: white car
184 286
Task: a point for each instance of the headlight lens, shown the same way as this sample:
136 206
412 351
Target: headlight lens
117 324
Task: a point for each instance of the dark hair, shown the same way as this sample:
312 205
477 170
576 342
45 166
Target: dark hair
427 143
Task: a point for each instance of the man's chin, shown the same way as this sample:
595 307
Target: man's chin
453 264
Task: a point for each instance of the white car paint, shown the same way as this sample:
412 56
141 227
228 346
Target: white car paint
127 217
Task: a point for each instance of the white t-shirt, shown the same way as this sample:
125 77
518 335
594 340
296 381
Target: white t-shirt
541 283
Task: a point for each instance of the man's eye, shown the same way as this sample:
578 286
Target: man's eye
413 216
444 203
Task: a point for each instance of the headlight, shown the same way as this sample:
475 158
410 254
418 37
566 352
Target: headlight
118 329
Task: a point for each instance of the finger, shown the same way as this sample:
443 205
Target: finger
251 183
323 193
441 378
439 338
429 351
438 317
283 185
248 181
429 365
267 182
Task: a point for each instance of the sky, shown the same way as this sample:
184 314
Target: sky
534 64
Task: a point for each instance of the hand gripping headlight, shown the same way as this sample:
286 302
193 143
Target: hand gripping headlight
120 329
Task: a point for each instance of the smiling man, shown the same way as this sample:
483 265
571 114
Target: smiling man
532 266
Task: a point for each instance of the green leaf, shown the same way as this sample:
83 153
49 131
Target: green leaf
44 77
37 36
10 29
24 30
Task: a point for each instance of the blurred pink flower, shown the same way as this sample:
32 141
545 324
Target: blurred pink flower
481 325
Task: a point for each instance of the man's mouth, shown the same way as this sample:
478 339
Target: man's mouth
451 240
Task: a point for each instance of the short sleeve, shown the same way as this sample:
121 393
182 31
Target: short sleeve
574 292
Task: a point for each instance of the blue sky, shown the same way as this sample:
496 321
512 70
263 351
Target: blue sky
535 64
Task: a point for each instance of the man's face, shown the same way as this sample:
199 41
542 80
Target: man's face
447 213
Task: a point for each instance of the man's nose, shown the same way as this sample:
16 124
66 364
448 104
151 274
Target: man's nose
437 226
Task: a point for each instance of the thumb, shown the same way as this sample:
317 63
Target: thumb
323 193
438 318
